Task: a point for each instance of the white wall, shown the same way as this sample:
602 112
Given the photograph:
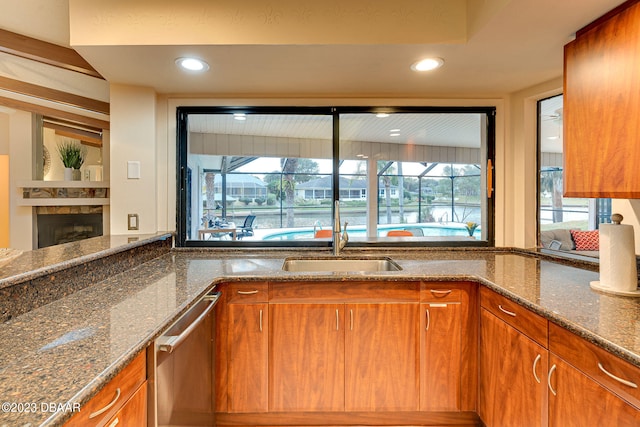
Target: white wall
4 180
520 166
133 138
21 235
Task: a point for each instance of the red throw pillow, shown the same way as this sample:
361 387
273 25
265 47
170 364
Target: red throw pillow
586 240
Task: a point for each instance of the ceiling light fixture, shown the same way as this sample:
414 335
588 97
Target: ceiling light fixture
382 115
427 64
239 116
192 64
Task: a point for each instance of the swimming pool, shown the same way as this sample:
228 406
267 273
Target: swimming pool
429 230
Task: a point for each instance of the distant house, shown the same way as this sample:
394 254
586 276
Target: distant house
242 186
350 189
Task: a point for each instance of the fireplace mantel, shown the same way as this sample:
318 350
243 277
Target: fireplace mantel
63 193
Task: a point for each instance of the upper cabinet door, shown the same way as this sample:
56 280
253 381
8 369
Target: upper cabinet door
602 108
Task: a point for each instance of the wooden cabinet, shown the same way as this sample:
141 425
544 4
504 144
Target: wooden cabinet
123 399
382 357
513 371
248 357
349 349
576 400
134 412
306 361
601 107
448 347
513 363
247 347
588 385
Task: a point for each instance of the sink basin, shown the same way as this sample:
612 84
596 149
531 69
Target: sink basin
340 264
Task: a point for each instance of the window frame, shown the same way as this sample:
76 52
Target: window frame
182 171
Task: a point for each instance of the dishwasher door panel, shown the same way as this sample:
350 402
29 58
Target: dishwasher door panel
184 374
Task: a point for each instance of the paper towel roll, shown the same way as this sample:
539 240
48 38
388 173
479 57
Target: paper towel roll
618 271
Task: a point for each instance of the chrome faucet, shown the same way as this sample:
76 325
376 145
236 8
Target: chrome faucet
340 238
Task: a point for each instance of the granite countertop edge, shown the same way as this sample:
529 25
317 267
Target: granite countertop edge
82 258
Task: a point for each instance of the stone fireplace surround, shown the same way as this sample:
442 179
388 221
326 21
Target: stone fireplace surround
63 224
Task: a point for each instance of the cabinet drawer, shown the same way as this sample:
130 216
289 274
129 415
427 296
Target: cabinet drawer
249 292
112 397
440 292
347 291
597 363
525 321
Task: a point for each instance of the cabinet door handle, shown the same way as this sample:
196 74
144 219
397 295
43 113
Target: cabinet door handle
440 292
106 408
337 320
248 292
260 320
351 314
428 320
620 380
535 365
510 313
551 371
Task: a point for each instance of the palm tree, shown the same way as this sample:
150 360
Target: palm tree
551 181
289 167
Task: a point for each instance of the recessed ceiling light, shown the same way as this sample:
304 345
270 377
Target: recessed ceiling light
394 134
192 64
428 64
239 116
382 115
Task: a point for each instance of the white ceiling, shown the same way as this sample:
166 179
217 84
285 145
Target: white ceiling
516 44
453 130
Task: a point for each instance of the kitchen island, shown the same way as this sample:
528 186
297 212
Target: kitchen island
65 351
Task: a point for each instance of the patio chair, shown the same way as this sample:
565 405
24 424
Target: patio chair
320 234
399 233
247 227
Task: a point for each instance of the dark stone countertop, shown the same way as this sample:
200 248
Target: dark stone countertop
65 351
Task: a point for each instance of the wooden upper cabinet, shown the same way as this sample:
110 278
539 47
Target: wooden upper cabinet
602 107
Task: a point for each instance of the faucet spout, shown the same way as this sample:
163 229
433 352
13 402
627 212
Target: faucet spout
340 238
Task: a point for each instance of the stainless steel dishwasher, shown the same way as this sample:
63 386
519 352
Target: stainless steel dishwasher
184 369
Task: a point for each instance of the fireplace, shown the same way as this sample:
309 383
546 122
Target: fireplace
57 225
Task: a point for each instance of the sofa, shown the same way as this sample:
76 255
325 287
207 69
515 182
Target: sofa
566 239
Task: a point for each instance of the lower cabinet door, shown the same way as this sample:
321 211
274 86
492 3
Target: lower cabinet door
134 412
441 342
306 358
575 400
513 372
382 357
248 357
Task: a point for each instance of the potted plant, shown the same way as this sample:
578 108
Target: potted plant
72 156
471 227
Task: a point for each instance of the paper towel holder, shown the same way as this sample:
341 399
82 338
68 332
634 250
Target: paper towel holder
616 219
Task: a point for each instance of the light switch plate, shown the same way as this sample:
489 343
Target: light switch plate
133 169
132 221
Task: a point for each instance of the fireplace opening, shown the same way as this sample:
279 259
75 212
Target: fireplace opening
55 229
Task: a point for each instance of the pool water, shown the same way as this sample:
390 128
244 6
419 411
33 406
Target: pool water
428 230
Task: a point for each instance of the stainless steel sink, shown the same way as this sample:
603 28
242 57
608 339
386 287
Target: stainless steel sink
340 264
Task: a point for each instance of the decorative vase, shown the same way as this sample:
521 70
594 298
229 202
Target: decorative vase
68 174
77 175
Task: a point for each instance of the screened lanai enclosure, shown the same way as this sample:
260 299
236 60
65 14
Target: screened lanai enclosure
424 171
